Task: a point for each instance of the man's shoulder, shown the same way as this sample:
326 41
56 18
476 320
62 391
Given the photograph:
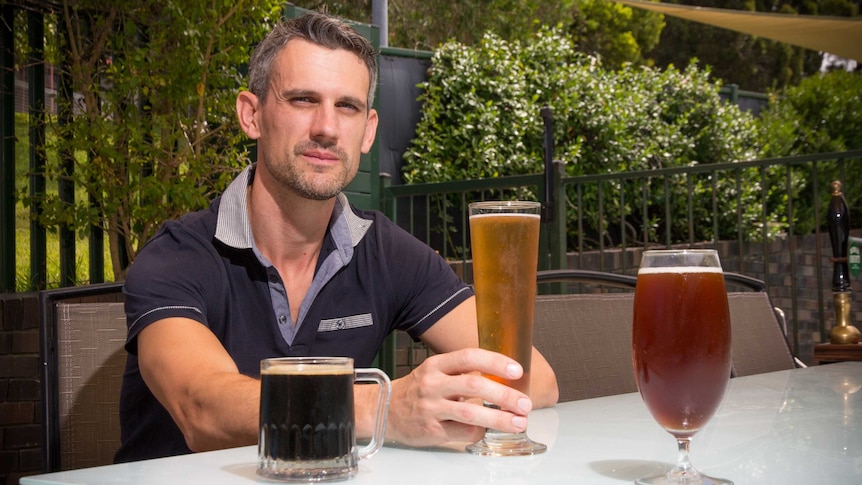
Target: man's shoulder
381 224
199 225
184 242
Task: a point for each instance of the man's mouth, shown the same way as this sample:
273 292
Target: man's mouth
321 155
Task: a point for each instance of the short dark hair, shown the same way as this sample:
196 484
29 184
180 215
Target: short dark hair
317 28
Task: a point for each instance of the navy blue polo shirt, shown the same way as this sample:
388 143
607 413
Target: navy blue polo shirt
372 278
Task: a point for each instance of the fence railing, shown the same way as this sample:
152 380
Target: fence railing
765 217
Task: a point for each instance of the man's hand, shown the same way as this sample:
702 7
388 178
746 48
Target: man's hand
442 400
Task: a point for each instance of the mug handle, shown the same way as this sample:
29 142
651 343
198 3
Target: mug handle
384 386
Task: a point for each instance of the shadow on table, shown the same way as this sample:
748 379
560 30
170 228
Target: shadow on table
628 470
457 447
244 470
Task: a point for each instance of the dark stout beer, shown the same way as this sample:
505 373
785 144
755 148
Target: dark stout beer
306 414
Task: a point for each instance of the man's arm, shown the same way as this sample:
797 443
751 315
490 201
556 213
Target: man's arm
441 400
191 374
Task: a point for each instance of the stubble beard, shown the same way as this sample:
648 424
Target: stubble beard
310 183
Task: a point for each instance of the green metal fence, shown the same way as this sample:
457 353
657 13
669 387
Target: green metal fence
775 231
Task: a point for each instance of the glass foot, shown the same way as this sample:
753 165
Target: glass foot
688 477
496 443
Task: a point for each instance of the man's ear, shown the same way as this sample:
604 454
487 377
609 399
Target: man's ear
370 131
246 109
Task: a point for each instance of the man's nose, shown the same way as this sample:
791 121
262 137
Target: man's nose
324 127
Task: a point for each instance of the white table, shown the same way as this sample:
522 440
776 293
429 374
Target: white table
791 427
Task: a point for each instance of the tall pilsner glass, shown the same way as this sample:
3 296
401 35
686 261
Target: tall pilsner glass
681 348
504 237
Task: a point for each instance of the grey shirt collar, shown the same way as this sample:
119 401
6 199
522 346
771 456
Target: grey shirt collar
234 227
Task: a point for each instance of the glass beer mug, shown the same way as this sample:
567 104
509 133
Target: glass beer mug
307 420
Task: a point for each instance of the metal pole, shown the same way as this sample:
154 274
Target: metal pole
380 18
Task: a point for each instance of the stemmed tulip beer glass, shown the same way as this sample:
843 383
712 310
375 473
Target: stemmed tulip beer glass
504 237
681 348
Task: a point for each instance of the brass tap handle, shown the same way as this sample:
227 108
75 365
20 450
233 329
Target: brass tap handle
839 234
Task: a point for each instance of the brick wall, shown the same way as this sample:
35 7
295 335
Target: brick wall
20 411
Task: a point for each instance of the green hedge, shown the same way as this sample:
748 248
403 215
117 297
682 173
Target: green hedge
481 118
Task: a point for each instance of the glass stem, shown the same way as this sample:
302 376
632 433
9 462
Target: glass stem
683 464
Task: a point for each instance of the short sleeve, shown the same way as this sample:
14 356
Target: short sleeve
424 283
170 277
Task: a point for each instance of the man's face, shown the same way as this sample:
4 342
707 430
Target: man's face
315 122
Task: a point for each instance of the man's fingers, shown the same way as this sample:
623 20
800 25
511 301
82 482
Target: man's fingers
458 379
442 399
477 415
472 386
478 360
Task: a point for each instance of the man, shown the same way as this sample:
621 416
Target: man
282 265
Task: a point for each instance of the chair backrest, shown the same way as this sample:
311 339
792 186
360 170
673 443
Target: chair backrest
83 331
586 277
759 343
586 339
758 327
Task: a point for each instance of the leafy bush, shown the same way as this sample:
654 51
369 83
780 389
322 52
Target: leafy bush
822 114
481 118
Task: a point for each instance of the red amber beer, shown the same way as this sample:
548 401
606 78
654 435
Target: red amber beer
681 347
504 238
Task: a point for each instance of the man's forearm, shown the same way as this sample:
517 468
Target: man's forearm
221 413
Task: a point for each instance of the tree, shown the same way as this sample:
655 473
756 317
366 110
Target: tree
751 62
615 32
419 24
154 134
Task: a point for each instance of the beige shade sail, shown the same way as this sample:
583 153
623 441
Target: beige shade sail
841 36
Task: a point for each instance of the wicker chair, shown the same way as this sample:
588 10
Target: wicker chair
82 332
586 337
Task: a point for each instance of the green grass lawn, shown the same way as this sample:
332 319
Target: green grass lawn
22 225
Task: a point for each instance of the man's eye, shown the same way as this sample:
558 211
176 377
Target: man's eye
349 106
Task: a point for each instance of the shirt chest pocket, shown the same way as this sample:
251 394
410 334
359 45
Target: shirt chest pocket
345 323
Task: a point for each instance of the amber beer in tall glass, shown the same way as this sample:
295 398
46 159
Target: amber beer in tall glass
681 347
504 238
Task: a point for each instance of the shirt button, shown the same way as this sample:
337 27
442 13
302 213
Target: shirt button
273 278
282 319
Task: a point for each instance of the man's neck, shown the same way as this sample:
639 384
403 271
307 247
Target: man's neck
288 229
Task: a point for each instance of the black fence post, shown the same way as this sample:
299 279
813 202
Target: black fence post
553 213
7 149
548 202
36 89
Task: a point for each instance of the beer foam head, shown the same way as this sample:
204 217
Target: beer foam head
302 369
504 214
680 269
